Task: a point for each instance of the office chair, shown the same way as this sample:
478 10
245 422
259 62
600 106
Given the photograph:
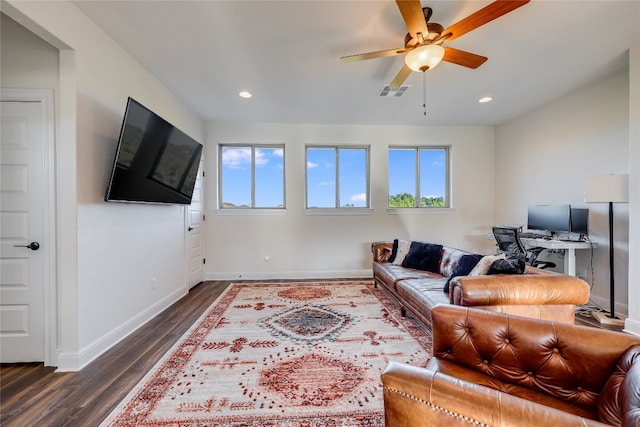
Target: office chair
508 240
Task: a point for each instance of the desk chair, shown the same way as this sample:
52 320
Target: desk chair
508 240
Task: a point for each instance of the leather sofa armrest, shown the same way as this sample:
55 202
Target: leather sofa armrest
381 251
416 397
514 289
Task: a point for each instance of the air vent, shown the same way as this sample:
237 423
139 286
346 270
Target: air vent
387 92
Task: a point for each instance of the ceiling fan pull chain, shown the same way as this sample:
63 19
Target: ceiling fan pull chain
424 92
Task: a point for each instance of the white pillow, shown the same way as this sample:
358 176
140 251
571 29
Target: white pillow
401 253
482 267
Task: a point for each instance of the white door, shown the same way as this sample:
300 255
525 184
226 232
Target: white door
23 250
195 232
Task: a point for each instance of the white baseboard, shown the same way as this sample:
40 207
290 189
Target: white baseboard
295 275
632 326
604 303
72 362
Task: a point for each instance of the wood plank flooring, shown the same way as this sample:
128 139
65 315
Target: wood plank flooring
32 395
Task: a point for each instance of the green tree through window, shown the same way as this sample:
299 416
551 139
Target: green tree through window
419 177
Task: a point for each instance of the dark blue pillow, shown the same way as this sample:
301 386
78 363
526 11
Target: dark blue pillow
463 267
423 256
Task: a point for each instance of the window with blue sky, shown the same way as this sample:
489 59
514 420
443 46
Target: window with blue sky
418 177
251 176
337 177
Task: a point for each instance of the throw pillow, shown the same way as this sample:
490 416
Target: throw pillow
512 264
449 259
394 250
423 256
401 251
484 264
463 267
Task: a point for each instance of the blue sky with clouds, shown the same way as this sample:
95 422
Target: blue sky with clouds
321 175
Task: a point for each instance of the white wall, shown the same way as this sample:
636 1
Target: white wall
26 61
544 157
120 248
302 245
632 323
108 253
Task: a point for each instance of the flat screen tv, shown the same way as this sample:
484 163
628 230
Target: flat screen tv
155 162
552 218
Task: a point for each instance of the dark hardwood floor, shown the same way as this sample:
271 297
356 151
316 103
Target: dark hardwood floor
33 395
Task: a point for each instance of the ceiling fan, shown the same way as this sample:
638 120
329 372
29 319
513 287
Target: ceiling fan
423 43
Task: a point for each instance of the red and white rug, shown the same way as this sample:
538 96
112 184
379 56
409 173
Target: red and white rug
279 354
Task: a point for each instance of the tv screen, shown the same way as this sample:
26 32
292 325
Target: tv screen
552 218
580 221
155 162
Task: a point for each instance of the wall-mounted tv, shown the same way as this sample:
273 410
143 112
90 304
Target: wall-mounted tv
155 162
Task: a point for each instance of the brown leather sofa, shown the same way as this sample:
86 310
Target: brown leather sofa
537 293
495 369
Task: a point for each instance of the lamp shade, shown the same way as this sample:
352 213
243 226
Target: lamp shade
607 188
424 57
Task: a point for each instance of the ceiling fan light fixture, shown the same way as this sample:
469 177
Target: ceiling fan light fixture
424 57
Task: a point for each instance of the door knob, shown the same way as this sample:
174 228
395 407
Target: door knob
190 228
34 246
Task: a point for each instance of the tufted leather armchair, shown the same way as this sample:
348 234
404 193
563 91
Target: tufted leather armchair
495 369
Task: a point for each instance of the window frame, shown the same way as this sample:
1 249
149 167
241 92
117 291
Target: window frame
253 147
337 208
447 179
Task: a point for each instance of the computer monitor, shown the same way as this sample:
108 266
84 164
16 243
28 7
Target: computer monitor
580 221
552 218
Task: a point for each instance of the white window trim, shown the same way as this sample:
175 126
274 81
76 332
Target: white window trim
253 146
420 211
251 211
448 184
338 210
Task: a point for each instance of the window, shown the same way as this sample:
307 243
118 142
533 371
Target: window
419 177
251 176
337 177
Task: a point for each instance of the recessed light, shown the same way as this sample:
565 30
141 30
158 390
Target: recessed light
485 99
245 94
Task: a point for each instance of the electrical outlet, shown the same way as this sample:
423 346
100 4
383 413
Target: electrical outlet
153 284
267 258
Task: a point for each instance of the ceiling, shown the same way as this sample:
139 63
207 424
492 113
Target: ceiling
287 54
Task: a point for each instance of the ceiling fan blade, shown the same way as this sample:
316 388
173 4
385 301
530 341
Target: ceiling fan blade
400 77
481 17
413 16
373 55
460 57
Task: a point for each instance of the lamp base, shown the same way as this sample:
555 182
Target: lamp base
605 319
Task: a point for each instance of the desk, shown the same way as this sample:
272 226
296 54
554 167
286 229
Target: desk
569 249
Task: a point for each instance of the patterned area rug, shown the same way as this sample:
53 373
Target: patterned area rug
279 354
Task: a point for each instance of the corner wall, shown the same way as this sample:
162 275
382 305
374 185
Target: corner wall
632 323
305 245
119 248
545 156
